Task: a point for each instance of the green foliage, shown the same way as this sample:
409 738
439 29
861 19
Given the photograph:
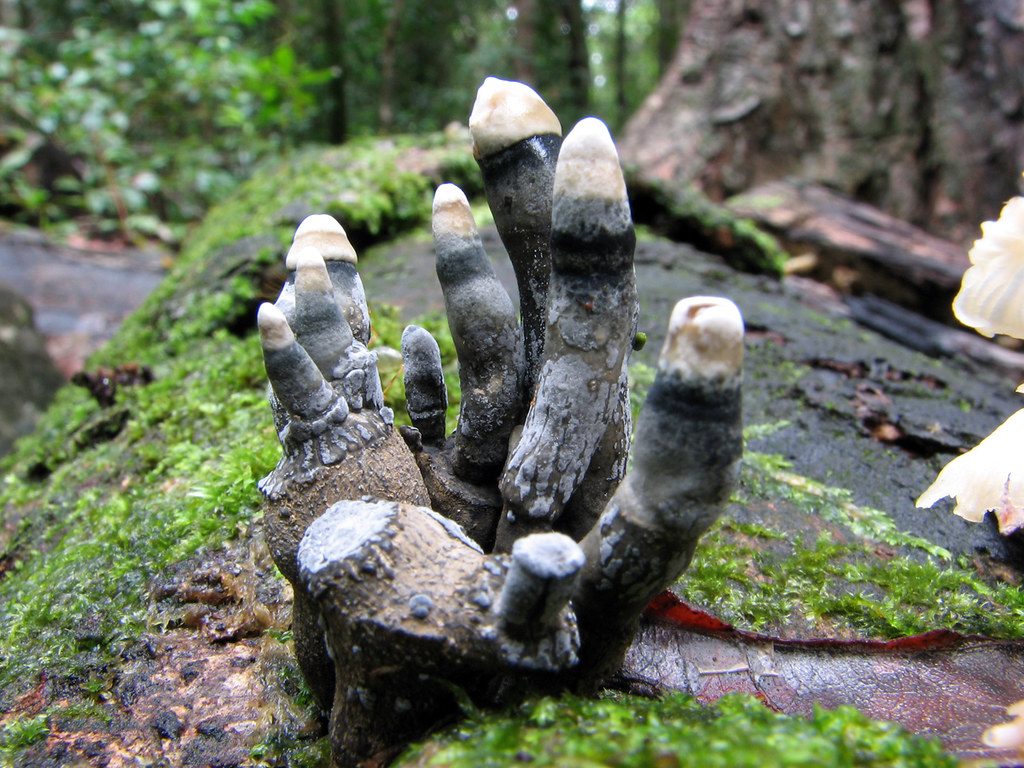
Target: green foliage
162 105
641 67
158 109
677 732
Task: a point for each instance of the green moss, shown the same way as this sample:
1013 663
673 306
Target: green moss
22 732
675 733
179 475
279 749
99 500
767 576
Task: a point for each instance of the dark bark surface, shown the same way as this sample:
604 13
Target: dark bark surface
913 107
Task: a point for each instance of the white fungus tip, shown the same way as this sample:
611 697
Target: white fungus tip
311 271
705 339
323 232
588 163
548 555
506 112
451 212
275 333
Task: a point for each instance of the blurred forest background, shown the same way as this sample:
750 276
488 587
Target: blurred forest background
132 117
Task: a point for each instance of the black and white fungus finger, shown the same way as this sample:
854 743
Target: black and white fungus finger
516 139
319 324
592 315
426 396
486 335
686 460
295 379
541 579
323 232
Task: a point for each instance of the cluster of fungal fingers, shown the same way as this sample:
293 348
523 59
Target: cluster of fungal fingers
516 553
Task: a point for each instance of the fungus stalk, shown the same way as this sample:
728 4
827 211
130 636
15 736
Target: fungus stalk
581 400
516 139
689 442
338 437
487 339
412 606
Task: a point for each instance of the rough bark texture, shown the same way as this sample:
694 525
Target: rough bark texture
855 248
914 107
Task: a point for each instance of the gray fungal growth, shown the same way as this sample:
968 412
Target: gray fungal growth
516 138
689 442
394 581
540 581
426 396
581 398
324 234
517 552
486 335
319 323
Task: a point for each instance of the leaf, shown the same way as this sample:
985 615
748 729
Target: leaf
940 684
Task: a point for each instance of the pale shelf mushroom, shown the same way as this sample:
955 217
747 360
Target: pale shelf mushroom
989 478
991 298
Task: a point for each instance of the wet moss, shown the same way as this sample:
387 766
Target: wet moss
687 215
675 733
795 556
178 476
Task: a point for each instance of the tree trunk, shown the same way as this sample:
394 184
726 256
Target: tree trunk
913 107
578 74
334 39
386 110
526 42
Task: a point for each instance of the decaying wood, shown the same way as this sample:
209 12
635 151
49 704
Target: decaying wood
856 248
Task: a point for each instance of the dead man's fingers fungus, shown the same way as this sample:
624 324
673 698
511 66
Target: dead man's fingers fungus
426 396
397 604
592 313
516 139
689 442
337 435
411 607
323 232
487 337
